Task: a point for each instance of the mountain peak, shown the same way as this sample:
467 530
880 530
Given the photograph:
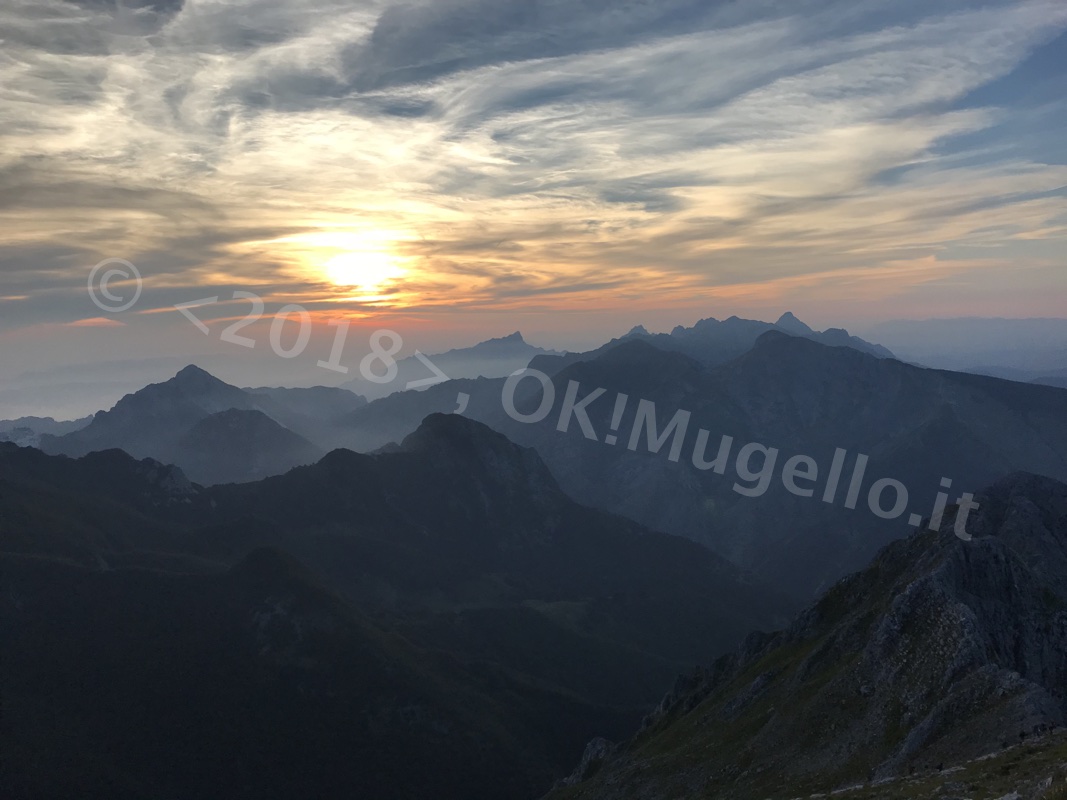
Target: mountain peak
511 338
192 369
194 382
789 322
471 446
438 427
774 338
513 341
194 374
636 330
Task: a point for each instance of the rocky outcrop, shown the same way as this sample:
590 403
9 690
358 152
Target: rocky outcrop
942 651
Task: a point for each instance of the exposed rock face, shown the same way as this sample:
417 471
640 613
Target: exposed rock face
596 752
941 651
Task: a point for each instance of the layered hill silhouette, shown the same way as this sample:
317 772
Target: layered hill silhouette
941 652
710 342
157 421
493 358
216 432
916 425
713 342
443 604
199 576
27 431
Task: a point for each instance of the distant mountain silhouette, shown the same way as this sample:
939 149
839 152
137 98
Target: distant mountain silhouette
917 426
443 605
304 404
311 412
789 323
150 422
238 445
178 421
27 431
714 342
493 358
941 652
803 398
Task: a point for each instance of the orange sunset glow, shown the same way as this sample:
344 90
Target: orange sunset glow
368 166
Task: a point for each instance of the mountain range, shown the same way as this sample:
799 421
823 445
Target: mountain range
216 432
713 342
441 604
916 425
493 358
473 591
788 390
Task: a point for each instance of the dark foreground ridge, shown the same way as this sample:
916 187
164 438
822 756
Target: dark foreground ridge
435 621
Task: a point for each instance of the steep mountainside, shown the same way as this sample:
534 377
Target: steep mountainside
940 652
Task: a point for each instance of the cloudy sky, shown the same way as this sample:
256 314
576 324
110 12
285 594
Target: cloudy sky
456 169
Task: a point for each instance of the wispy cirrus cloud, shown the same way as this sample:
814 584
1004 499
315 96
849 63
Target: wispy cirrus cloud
545 153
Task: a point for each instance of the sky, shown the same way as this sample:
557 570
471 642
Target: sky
459 169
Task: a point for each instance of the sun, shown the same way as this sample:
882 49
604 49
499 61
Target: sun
363 265
368 271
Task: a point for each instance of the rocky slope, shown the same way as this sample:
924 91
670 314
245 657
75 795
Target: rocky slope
941 652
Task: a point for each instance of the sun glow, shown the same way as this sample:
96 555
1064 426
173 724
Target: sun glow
367 271
363 265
